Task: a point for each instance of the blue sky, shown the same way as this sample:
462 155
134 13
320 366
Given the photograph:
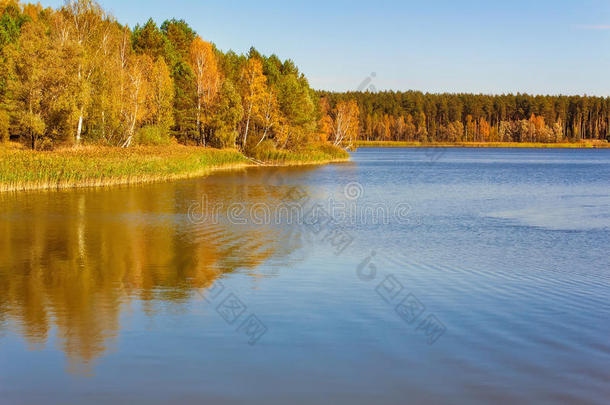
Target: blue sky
535 46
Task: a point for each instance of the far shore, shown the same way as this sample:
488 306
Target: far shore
590 144
94 166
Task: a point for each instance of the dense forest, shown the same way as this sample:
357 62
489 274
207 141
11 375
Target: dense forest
77 76
415 116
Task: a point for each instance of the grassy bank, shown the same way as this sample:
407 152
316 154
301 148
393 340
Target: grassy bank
315 154
392 144
22 169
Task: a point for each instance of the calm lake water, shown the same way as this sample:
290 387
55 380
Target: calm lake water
445 276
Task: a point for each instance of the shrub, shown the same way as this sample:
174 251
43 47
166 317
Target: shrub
151 135
4 126
224 137
45 144
263 150
330 149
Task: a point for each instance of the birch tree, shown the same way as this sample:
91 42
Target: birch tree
87 25
207 81
138 89
346 123
254 88
270 114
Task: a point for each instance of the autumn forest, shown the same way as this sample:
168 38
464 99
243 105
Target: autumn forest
77 76
415 116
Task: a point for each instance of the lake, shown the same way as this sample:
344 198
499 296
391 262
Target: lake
404 276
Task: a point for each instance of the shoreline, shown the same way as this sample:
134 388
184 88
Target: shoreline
93 167
483 145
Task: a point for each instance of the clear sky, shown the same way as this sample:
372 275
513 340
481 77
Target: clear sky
534 46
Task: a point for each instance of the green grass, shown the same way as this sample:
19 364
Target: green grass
394 144
95 166
22 169
321 153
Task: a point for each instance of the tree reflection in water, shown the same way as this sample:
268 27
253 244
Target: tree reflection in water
72 261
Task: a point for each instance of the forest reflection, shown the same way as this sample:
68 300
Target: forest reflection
71 262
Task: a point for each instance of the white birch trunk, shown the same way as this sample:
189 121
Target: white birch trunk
79 128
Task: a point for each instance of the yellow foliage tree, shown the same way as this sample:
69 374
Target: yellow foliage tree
161 97
270 115
325 124
207 81
254 92
30 59
138 90
86 25
346 124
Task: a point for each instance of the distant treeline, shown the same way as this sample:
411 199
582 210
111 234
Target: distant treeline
415 116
